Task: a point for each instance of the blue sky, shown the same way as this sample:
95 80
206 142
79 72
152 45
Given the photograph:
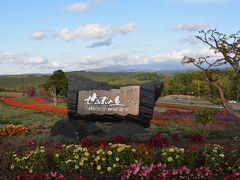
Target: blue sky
42 36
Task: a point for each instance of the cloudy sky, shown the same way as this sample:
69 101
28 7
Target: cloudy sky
42 36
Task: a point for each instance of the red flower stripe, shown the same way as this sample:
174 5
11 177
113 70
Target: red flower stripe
13 102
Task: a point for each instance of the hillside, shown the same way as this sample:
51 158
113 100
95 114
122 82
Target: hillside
19 82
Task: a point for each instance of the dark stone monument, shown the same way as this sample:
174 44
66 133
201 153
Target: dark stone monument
126 106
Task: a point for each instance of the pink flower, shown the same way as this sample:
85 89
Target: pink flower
136 170
53 174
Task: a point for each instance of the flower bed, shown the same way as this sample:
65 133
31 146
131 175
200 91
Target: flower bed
13 102
13 130
187 117
131 161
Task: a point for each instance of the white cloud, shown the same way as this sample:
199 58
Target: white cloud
38 35
39 64
21 59
95 31
41 34
32 60
189 40
78 7
191 26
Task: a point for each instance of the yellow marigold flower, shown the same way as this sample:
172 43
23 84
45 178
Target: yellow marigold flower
41 147
14 155
171 150
12 166
76 156
99 168
42 151
114 165
98 152
119 149
109 153
117 159
56 155
182 150
169 159
136 161
76 166
81 163
84 149
86 154
133 150
104 159
30 171
109 169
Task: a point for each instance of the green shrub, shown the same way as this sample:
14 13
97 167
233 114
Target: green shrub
217 133
52 140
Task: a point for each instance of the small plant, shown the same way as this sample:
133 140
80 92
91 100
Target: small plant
204 117
158 140
214 157
73 158
33 161
173 157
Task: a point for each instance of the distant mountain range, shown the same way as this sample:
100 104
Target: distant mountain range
153 67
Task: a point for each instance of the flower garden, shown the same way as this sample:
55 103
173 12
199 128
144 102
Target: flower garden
29 152
116 159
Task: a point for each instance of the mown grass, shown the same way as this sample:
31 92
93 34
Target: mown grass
15 115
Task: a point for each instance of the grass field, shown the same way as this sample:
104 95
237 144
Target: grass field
27 116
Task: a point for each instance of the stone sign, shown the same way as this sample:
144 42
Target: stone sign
122 101
125 109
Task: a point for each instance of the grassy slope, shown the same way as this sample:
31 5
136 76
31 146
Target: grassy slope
18 82
27 116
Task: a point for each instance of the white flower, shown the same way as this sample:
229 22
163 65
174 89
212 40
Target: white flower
169 159
221 155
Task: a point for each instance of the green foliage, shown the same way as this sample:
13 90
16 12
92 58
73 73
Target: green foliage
214 157
34 161
204 116
217 133
20 82
52 140
57 83
173 157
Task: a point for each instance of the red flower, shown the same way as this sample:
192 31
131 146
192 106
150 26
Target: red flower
194 147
